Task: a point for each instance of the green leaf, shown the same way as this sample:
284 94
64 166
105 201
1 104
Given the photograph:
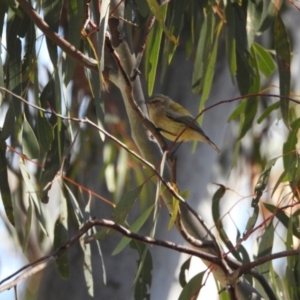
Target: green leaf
205 43
44 132
269 13
265 248
76 208
263 181
283 218
289 147
254 13
143 279
14 48
52 12
4 186
33 194
230 41
182 274
52 164
27 226
9 123
252 102
121 211
60 237
252 220
268 111
75 11
135 227
218 195
238 111
30 145
192 288
175 24
266 64
160 17
283 55
152 54
124 206
210 70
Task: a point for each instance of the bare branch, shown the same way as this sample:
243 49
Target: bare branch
45 261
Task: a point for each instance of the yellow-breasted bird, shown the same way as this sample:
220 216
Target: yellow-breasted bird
171 118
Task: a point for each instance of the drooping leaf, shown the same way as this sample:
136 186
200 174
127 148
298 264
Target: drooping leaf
75 12
252 102
283 218
124 206
27 224
238 111
182 274
52 164
60 237
265 61
265 248
210 69
283 55
33 194
252 220
9 123
152 53
4 186
44 132
143 279
268 111
204 46
52 12
192 288
230 41
14 48
121 211
29 141
289 147
135 227
160 17
263 181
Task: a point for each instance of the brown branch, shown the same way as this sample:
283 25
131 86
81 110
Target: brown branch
245 268
43 262
59 41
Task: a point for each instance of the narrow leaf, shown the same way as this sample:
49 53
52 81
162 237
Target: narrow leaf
263 181
266 63
27 224
4 186
33 194
157 12
283 218
30 144
60 237
283 55
143 278
268 111
192 288
135 227
182 274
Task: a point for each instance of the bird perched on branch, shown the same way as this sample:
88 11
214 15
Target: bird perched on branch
170 118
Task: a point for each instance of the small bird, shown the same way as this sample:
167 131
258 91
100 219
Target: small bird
171 118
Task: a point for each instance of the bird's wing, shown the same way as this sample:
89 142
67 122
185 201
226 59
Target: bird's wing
186 120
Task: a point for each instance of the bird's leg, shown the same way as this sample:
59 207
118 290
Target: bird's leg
179 144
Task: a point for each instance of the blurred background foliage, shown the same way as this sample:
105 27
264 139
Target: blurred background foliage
56 173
